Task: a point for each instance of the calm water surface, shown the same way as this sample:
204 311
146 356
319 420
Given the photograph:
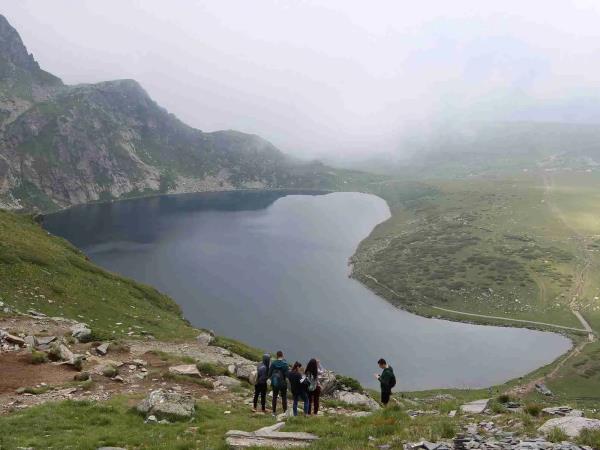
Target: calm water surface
271 269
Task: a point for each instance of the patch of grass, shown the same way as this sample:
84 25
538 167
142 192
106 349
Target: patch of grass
590 438
533 409
211 370
240 348
557 435
205 383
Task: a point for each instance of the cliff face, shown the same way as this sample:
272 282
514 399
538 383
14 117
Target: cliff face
65 145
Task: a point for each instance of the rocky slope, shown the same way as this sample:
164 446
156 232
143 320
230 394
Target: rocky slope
65 145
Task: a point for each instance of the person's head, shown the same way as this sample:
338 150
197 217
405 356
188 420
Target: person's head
266 359
279 354
312 367
382 363
296 367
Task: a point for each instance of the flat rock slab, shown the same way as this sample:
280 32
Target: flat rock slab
475 407
269 437
571 426
186 369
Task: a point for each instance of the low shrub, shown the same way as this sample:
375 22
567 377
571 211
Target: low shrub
37 357
110 371
349 382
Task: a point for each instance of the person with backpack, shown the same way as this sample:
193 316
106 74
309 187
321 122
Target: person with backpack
278 373
260 382
312 373
299 385
387 380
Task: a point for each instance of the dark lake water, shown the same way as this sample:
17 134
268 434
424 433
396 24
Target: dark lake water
271 269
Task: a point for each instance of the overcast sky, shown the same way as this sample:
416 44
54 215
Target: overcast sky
324 77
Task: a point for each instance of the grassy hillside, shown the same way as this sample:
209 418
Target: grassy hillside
490 247
49 275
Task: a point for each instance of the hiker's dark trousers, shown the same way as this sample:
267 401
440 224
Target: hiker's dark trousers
260 389
283 392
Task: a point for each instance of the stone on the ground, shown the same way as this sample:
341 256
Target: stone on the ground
476 406
205 338
227 382
269 437
81 376
164 404
185 369
563 411
45 340
102 349
356 398
571 426
81 332
12 339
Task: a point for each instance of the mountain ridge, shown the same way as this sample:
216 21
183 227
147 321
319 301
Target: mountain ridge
64 145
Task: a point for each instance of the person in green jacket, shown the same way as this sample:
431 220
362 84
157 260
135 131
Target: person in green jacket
387 380
278 373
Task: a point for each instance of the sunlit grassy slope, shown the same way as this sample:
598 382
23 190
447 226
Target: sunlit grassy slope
49 275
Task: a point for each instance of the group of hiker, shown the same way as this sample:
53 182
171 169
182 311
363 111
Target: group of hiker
304 383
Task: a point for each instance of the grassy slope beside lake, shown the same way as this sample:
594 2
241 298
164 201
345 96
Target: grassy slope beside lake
521 245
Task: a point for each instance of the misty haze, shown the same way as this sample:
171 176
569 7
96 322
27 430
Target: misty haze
217 217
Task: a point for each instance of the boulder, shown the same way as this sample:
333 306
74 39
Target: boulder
476 406
30 341
164 404
185 369
571 426
356 398
328 382
244 370
81 332
205 338
60 351
227 382
269 437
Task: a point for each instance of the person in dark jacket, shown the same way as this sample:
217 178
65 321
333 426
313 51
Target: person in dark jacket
312 372
299 386
260 388
387 380
278 373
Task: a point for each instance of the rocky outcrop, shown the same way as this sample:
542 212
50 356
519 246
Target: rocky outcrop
357 399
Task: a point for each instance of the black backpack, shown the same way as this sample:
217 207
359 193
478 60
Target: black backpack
393 380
